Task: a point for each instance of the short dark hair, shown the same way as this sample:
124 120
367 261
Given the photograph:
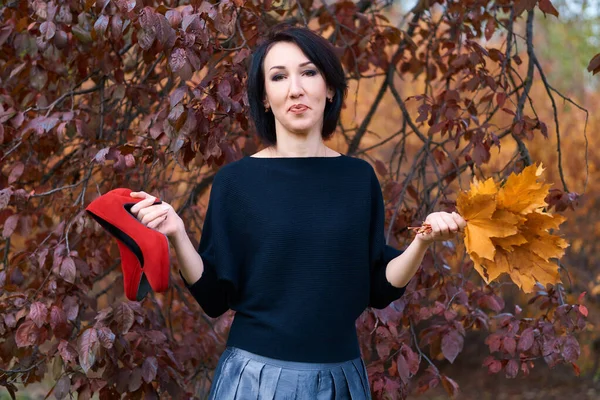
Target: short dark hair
321 53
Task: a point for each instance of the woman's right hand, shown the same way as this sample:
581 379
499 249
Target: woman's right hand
160 217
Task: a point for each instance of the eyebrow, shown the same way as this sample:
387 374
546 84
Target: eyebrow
282 67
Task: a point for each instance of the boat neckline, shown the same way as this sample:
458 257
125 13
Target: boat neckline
295 158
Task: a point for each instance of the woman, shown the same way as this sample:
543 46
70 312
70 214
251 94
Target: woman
293 238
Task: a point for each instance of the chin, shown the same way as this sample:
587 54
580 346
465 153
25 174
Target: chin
299 128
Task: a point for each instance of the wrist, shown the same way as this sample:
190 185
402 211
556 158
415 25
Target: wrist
178 236
422 242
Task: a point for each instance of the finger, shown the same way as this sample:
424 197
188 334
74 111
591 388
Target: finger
435 227
156 222
459 220
444 228
148 201
440 227
452 225
148 214
141 194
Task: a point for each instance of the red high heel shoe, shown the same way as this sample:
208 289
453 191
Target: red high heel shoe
144 252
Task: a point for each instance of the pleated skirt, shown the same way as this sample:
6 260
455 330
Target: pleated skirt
242 375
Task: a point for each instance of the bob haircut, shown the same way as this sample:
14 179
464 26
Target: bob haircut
321 53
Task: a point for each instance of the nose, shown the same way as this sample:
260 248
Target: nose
296 89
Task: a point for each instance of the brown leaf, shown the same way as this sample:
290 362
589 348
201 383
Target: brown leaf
177 95
452 345
27 334
510 345
10 225
57 317
224 88
135 379
570 349
241 55
522 5
116 26
61 389
174 17
403 369
178 59
156 337
16 172
68 270
380 168
412 359
48 29
87 348
547 7
106 337
67 351
5 197
38 312
149 369
526 340
71 307
494 342
594 65
511 369
145 38
450 385
124 317
101 24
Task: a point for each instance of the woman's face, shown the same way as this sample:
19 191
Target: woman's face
295 90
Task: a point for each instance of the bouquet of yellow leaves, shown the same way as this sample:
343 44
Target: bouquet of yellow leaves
508 230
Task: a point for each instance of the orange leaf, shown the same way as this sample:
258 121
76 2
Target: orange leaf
494 268
546 245
508 233
478 211
533 268
509 242
522 193
540 222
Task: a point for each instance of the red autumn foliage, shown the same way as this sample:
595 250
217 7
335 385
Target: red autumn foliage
150 95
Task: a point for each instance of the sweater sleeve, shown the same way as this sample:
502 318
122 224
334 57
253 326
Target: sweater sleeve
382 292
216 288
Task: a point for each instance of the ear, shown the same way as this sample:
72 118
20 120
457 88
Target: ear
330 92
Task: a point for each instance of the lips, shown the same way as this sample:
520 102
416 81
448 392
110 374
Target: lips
298 108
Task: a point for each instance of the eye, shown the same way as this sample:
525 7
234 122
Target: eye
276 77
311 72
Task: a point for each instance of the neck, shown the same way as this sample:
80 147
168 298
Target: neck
299 143
279 150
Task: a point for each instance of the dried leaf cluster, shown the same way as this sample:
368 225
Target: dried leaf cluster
508 230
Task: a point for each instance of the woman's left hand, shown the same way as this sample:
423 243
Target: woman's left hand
444 226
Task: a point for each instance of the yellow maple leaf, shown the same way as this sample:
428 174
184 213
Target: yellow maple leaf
507 231
522 193
509 242
490 270
541 221
545 245
532 268
486 187
478 210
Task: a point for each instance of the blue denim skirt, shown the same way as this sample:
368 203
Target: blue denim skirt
242 375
